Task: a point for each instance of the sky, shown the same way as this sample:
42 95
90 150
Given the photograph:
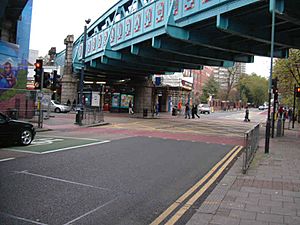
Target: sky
53 20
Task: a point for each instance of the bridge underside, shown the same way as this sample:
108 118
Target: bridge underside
235 36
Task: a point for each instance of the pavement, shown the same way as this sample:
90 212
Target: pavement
269 194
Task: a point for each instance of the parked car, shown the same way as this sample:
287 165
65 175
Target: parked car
204 108
263 107
15 131
57 107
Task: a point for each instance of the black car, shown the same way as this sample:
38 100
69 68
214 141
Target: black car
14 131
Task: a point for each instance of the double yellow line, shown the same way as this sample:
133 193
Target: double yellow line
217 170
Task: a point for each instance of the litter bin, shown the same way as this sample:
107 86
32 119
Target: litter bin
13 114
145 112
174 111
79 115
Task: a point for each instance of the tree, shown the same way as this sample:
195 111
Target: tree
210 88
288 73
231 81
253 89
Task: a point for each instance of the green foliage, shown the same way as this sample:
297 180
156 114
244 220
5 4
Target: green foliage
21 84
210 88
287 72
253 89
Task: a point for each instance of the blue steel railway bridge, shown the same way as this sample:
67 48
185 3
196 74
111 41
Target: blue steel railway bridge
138 38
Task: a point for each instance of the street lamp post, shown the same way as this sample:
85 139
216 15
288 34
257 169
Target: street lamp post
268 125
80 105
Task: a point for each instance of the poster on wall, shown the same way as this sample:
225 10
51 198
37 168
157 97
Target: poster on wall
115 100
95 99
125 99
11 77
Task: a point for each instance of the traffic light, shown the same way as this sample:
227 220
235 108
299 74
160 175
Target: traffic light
54 78
275 92
297 91
46 80
38 68
274 86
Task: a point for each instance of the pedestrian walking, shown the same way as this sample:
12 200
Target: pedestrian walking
130 106
187 111
156 108
179 107
194 111
74 105
280 112
68 102
247 115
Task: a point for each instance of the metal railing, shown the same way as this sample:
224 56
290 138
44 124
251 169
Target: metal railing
92 116
251 141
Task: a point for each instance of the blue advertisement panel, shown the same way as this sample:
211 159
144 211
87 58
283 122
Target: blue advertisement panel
115 100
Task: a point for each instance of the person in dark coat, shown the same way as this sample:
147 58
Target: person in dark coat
247 115
187 111
194 111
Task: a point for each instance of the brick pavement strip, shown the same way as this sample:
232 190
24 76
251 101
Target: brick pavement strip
252 222
260 196
283 211
224 220
257 208
269 218
242 214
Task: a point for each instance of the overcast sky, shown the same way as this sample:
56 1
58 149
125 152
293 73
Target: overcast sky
53 20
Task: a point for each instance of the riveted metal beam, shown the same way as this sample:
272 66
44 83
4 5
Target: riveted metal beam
203 52
131 58
175 57
234 26
137 67
96 64
165 46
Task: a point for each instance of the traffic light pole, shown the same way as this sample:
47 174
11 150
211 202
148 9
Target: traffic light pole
80 105
268 125
273 117
40 119
294 107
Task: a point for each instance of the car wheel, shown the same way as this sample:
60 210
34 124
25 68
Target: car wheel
26 137
57 110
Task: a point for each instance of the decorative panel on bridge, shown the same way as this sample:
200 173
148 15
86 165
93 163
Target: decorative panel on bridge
138 38
148 18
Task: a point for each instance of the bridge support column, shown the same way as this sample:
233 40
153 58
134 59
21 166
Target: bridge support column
144 99
69 81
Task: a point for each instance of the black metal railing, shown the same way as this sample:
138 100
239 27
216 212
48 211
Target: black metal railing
251 141
92 116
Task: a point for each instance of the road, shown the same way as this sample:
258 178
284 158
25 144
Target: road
129 172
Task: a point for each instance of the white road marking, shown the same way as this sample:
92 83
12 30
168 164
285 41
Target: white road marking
61 180
77 146
77 138
21 218
45 141
7 159
23 151
90 212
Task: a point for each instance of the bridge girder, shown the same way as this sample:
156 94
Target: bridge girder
215 33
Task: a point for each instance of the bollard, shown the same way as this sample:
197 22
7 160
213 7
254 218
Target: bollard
279 124
283 124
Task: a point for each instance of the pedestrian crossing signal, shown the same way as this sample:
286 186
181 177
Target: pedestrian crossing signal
297 91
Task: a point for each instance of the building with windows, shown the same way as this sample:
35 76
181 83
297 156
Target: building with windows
221 74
